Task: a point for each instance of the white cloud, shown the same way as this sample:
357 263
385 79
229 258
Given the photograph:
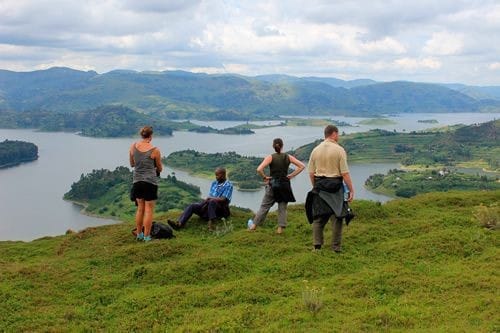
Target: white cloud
494 66
293 38
444 43
411 64
386 45
207 70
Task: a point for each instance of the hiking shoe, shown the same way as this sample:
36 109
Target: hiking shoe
147 239
140 237
174 224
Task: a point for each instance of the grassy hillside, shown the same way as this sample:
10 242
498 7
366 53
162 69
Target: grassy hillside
474 145
422 264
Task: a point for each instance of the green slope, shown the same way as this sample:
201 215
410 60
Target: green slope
475 145
421 265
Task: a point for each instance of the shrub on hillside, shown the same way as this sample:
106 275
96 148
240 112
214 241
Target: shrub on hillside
406 192
488 216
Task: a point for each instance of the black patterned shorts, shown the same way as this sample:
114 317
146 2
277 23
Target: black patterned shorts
144 190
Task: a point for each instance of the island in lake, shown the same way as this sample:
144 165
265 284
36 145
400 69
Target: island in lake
106 193
109 121
13 153
296 121
240 169
377 122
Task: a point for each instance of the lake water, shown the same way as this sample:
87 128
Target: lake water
31 204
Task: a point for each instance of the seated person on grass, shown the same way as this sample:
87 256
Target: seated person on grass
216 205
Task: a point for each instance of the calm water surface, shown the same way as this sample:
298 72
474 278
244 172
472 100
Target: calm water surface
31 204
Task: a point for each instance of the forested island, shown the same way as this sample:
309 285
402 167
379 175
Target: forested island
377 122
407 184
427 121
13 152
107 193
107 121
235 130
241 169
314 122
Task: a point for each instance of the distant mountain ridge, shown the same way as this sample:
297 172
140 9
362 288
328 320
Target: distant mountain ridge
483 93
180 94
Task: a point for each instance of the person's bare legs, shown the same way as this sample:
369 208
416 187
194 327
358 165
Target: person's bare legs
148 216
139 216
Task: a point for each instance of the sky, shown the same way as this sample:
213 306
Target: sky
439 41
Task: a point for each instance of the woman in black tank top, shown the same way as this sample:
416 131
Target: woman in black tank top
278 187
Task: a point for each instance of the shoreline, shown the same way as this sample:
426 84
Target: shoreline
84 211
13 164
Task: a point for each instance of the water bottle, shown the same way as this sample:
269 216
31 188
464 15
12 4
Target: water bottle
346 191
250 223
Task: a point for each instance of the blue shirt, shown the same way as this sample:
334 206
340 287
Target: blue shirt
219 190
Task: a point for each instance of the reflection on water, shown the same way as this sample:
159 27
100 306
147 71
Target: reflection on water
31 204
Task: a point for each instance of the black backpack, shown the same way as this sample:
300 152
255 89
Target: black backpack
160 230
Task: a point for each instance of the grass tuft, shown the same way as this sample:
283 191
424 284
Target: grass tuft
312 297
488 216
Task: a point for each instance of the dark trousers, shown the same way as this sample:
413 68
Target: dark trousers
207 210
319 225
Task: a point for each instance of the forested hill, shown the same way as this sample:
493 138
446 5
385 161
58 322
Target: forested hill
178 94
475 144
15 152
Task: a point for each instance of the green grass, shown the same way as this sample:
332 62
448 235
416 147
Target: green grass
421 264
